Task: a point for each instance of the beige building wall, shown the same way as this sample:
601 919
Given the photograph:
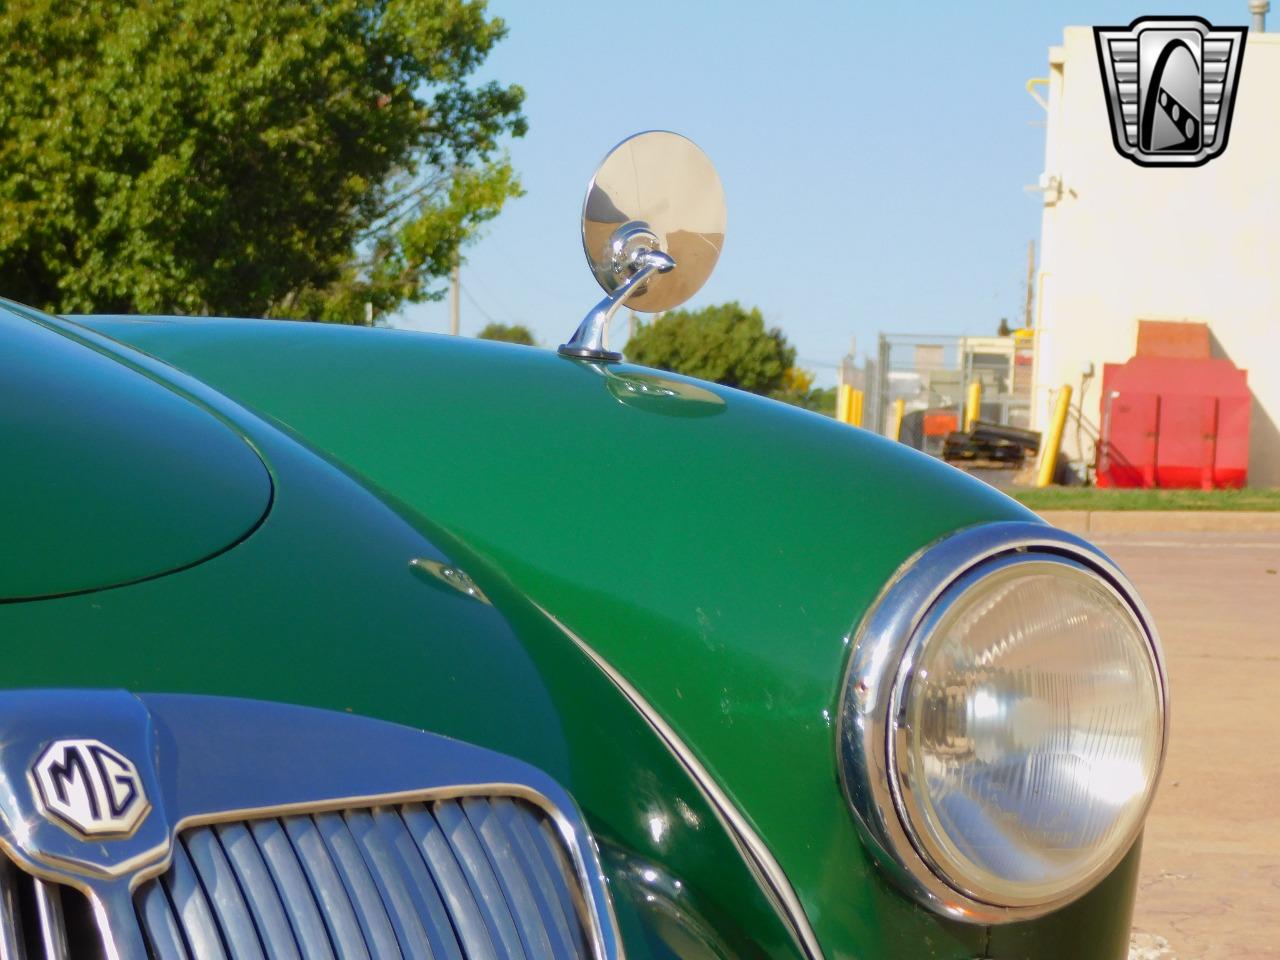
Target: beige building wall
1121 243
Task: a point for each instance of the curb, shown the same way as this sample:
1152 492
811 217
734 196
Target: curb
1163 521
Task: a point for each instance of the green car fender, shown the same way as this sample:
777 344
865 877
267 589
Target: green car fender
711 550
335 600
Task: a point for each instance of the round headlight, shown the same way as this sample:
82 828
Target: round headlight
1004 723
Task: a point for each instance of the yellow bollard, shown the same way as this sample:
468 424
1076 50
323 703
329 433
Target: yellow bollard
1049 450
895 425
849 405
972 405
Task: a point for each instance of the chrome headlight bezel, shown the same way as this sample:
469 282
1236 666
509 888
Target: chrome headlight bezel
884 645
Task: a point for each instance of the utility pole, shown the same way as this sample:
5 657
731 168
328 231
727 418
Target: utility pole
455 288
1031 283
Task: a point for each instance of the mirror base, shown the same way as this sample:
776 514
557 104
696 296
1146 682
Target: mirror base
588 353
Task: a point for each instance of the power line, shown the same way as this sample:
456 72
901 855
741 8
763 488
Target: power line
808 362
475 303
493 298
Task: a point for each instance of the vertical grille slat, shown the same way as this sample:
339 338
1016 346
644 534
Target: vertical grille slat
40 920
482 878
378 931
49 920
543 836
192 907
484 885
435 917
564 932
223 890
161 923
512 877
389 879
11 939
259 891
467 916
295 893
335 906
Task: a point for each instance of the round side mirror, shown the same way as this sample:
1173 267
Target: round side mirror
657 188
652 229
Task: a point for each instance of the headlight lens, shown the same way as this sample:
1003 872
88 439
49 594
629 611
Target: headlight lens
1028 733
1003 723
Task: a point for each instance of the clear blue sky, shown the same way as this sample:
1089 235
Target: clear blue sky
873 156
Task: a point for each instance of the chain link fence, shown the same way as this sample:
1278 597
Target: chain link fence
931 375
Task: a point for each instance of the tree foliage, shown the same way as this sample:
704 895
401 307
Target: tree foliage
282 158
727 343
798 390
508 333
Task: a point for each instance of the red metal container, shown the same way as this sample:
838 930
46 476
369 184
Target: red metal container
1174 421
939 423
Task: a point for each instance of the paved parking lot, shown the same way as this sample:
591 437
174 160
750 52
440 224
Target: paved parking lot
1210 887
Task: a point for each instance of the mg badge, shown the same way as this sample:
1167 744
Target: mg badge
1170 84
90 788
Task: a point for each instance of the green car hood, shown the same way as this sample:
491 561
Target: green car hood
108 477
715 548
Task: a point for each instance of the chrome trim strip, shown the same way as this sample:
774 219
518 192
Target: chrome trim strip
757 854
865 721
49 919
117 920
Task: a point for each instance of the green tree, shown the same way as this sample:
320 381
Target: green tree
821 400
508 333
798 390
726 343
282 158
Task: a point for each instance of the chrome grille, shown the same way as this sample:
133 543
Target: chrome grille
476 877
43 921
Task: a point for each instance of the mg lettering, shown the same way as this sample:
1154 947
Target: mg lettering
89 787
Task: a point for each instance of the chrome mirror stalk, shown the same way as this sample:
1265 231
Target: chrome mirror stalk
590 340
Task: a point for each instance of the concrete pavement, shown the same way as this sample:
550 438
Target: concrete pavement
1103 522
1210 879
